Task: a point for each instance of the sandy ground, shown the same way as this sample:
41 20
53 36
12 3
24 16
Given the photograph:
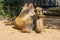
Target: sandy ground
7 32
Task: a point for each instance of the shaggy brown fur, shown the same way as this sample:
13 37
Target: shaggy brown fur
40 26
24 19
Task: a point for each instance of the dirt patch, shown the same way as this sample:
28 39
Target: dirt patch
8 33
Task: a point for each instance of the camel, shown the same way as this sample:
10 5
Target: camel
40 24
25 19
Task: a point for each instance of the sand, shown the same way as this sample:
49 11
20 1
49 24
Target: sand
7 32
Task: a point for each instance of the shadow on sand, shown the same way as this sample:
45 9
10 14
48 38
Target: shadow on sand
52 22
8 23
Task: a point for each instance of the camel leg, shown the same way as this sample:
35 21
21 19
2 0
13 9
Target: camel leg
28 28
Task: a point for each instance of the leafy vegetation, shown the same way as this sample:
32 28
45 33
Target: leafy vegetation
13 7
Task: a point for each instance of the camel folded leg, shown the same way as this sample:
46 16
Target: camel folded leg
28 28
